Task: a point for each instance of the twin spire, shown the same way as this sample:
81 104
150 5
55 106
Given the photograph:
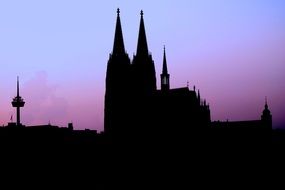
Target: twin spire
142 48
119 47
142 43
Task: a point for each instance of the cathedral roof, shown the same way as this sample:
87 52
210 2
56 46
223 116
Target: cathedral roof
179 91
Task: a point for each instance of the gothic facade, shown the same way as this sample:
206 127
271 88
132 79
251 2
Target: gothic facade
134 104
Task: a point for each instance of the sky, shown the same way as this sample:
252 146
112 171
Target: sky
233 51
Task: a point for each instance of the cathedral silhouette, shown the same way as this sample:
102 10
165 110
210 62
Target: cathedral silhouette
148 132
132 100
135 109
134 105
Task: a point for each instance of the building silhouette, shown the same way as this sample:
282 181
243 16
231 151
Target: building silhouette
16 133
264 123
134 105
135 108
155 132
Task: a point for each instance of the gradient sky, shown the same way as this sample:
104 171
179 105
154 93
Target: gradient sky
232 50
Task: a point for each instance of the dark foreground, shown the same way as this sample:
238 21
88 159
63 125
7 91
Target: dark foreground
177 161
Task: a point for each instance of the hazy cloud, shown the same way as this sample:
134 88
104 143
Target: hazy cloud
42 103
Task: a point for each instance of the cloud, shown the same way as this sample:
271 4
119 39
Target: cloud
42 103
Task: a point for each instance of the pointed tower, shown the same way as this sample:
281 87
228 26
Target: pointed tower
144 79
199 98
142 49
266 116
164 77
18 102
117 82
119 47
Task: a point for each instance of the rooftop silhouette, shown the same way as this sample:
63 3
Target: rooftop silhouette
135 108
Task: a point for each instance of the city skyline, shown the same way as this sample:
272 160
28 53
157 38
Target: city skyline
59 89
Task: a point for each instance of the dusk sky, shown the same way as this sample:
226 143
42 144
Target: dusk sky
232 50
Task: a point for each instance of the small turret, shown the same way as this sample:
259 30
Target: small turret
164 76
266 116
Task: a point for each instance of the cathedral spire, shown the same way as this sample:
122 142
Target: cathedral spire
142 43
164 76
164 67
119 47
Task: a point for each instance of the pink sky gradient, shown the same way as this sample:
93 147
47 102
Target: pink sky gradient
233 51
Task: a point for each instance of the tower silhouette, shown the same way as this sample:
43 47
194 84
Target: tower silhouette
117 83
134 106
164 76
18 102
143 70
266 116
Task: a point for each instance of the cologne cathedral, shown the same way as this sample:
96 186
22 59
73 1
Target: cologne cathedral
134 104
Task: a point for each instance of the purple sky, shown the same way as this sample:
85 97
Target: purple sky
232 50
